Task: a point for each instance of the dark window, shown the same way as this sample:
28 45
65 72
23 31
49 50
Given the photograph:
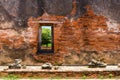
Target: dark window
46 41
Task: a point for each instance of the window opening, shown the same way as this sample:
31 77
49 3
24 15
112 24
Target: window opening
46 42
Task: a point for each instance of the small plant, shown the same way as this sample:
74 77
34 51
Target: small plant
10 77
101 77
84 77
110 75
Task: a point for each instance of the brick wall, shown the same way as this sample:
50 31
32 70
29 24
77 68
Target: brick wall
76 41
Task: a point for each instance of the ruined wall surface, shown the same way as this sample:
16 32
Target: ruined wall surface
77 41
85 33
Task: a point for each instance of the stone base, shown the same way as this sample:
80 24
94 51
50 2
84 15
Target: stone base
62 72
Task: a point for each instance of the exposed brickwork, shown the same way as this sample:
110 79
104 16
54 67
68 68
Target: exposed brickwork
76 41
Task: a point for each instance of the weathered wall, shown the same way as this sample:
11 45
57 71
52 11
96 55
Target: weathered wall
80 40
84 34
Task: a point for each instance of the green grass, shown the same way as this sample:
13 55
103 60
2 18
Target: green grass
49 45
10 77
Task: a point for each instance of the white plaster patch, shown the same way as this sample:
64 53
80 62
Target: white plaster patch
113 26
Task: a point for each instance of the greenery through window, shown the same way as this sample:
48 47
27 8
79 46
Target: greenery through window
45 39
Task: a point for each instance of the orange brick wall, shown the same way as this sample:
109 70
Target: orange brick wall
77 41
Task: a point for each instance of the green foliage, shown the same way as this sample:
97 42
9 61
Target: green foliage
46 36
84 77
110 75
11 77
101 77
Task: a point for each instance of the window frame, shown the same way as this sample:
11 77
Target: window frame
40 51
